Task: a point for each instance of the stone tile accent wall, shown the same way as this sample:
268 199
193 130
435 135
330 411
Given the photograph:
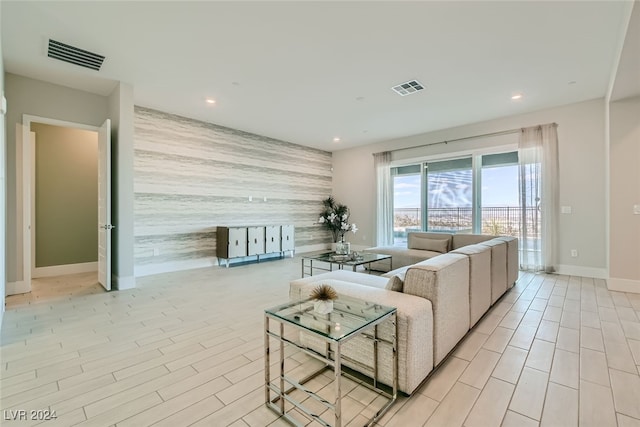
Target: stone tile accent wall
191 176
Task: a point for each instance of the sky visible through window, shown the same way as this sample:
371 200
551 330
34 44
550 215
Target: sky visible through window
499 188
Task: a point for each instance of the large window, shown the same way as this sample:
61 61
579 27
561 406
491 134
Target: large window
471 194
449 195
500 209
407 201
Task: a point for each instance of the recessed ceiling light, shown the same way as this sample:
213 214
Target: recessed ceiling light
516 96
336 139
211 101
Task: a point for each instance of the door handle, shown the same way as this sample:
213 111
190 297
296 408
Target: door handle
107 227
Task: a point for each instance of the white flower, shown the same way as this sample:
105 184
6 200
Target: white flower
321 220
354 228
345 226
332 217
344 217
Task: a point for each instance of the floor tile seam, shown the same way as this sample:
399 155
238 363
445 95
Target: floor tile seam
20 371
123 360
117 391
30 389
140 385
163 401
131 416
622 413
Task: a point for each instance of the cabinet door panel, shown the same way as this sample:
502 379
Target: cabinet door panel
288 238
272 239
256 240
237 242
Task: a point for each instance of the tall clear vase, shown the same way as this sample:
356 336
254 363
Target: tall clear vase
343 248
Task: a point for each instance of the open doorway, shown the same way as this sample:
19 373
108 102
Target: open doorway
66 201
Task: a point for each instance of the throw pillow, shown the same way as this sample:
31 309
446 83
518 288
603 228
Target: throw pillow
395 283
435 245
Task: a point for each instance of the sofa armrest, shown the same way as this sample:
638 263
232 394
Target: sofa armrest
415 331
443 280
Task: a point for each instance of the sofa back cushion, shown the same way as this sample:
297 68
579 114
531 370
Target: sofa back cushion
460 240
396 279
443 280
436 242
395 283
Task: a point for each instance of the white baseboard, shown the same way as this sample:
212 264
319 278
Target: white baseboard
167 267
61 270
574 270
121 283
14 288
623 285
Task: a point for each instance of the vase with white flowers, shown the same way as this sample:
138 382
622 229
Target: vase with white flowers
335 218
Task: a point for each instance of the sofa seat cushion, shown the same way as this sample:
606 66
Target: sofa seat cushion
415 331
400 256
370 280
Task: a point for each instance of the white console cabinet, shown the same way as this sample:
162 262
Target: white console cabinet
239 242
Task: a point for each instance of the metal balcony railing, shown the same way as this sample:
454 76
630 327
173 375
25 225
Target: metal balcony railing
502 220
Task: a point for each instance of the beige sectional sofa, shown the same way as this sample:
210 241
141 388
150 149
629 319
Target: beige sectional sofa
438 300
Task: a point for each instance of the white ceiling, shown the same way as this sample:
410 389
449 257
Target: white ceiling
306 72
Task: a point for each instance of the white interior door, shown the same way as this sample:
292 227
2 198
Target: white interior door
104 205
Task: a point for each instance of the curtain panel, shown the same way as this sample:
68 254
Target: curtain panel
539 197
384 202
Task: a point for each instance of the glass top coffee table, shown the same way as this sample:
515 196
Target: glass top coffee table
321 260
350 317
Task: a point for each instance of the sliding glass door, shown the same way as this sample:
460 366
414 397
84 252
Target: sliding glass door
449 195
407 201
500 212
471 194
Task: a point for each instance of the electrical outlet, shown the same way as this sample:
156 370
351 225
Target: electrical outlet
574 253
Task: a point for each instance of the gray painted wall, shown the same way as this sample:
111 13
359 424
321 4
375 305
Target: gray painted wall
582 177
38 98
624 152
192 176
66 214
3 206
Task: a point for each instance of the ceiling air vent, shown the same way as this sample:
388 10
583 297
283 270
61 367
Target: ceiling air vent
74 55
404 89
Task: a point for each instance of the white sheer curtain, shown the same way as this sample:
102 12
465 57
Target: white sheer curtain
384 202
539 199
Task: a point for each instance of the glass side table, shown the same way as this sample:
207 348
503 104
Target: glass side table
331 258
350 318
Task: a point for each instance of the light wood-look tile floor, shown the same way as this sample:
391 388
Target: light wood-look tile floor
186 348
